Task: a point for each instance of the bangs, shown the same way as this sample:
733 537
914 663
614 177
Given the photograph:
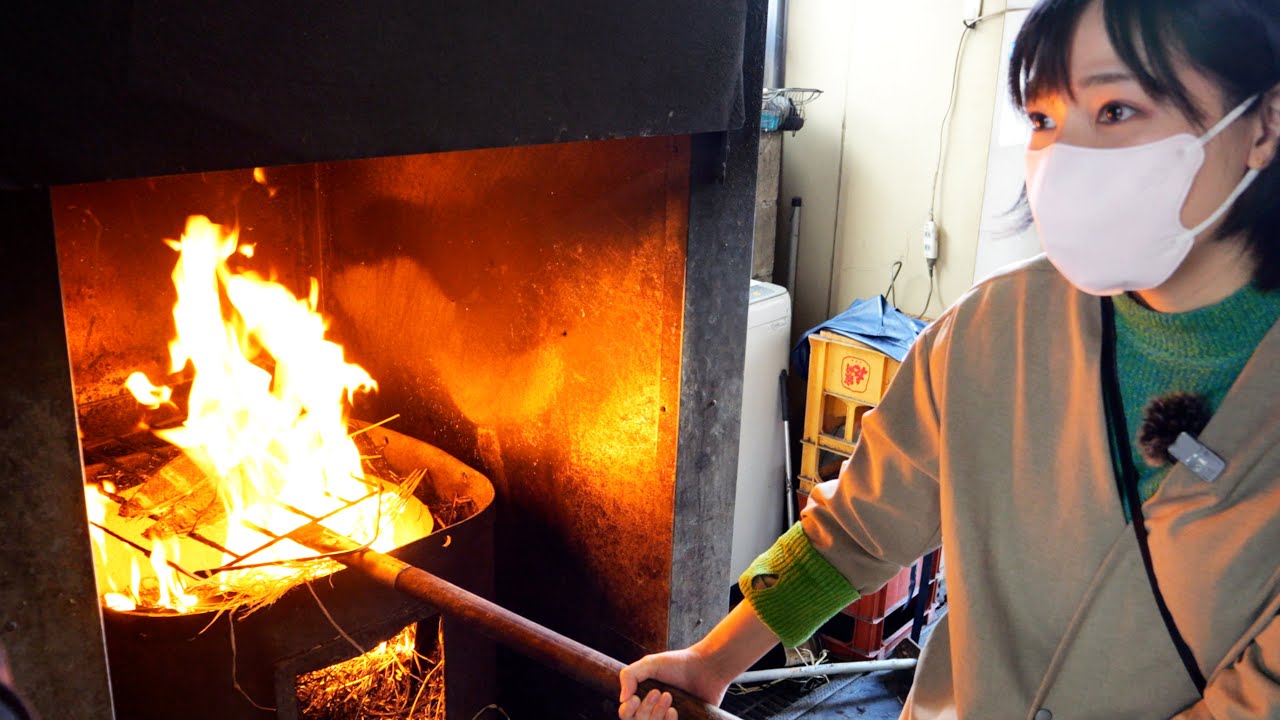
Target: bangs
1142 34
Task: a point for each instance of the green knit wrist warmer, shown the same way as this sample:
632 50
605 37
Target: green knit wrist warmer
809 590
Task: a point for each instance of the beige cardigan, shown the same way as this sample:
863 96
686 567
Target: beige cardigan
992 441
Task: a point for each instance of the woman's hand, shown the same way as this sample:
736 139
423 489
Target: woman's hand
704 670
686 669
655 706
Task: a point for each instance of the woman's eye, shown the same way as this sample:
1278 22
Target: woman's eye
1040 121
1112 113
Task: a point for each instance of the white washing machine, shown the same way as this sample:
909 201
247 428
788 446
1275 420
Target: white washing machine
758 517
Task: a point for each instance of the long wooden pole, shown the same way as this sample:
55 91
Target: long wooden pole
588 666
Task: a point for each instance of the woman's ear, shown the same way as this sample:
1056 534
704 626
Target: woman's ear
1268 138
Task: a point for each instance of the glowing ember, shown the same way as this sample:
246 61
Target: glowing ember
264 450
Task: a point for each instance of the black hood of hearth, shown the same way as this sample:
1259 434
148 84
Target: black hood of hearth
109 90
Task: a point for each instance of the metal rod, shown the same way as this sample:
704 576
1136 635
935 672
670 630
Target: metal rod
236 564
808 671
780 50
785 400
204 541
145 552
794 249
588 666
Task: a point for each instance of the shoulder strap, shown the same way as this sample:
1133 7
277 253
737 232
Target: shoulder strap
1118 430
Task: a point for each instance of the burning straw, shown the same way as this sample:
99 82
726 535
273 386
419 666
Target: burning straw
245 586
390 681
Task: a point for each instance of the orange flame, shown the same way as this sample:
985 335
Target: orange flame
274 442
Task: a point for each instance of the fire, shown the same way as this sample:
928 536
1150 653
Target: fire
144 392
390 680
266 426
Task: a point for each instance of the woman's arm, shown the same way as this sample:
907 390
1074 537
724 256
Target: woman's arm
705 669
856 533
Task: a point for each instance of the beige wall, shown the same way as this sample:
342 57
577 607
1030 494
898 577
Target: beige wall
864 161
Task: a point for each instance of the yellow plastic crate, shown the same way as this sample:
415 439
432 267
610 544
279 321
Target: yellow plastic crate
848 369
807 485
813 469
846 378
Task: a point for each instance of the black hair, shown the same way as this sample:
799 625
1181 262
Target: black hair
1234 43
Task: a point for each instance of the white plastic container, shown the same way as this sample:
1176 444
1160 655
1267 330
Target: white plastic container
758 517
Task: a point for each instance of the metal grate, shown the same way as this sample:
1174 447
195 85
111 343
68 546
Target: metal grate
129 461
770 702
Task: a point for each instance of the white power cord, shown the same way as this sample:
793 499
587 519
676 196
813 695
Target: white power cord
930 236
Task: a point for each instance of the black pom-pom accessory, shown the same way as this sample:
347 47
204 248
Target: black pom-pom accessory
1165 418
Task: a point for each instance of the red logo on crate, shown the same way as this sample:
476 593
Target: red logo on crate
856 371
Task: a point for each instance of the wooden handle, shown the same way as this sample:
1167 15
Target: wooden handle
546 646
567 655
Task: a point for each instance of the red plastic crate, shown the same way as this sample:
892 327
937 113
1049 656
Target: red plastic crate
877 605
802 501
847 638
853 638
893 595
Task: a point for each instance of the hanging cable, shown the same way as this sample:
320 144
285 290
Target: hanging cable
836 221
951 104
928 300
946 117
891 294
943 131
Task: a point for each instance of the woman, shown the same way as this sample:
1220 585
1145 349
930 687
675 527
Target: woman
1096 567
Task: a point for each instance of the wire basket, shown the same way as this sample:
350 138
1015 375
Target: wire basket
783 108
798 96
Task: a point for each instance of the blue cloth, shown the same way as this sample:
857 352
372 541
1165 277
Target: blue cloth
873 322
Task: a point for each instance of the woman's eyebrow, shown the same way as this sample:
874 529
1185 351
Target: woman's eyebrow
1110 77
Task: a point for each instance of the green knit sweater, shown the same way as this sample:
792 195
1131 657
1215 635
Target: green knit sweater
1199 352
1202 352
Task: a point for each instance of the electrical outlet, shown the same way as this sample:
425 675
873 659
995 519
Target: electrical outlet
930 240
972 10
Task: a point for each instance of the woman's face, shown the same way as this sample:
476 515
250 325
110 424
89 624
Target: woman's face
1111 110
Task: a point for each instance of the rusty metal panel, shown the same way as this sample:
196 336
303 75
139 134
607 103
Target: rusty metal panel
522 309
531 298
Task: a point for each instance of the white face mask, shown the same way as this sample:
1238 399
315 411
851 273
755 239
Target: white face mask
1110 219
